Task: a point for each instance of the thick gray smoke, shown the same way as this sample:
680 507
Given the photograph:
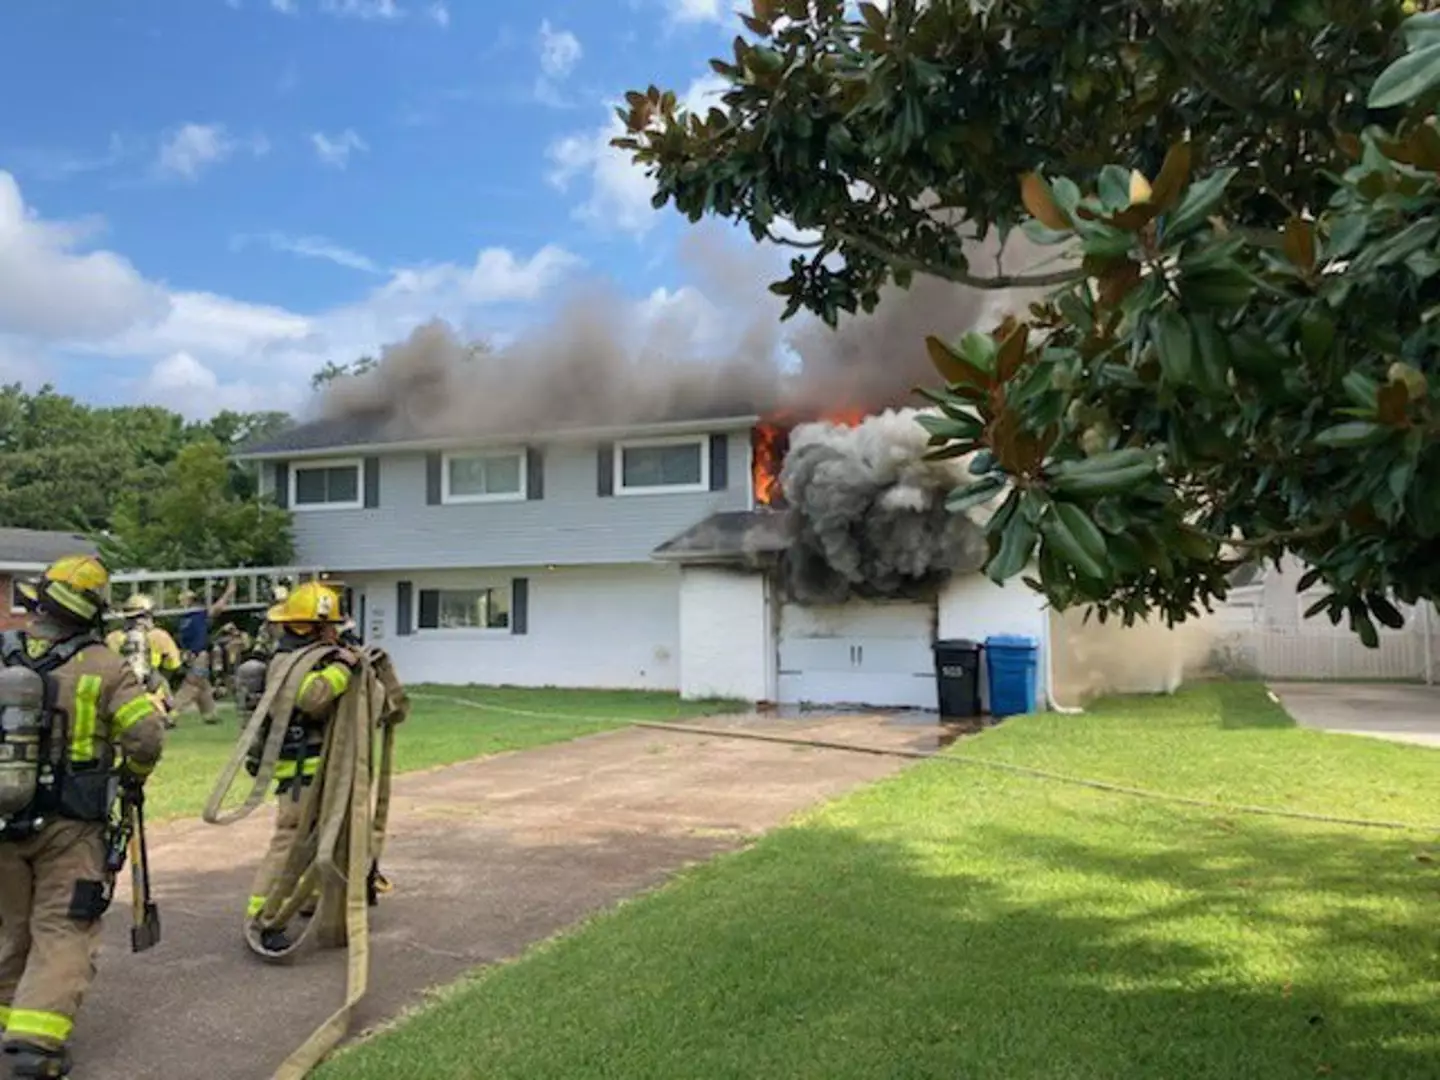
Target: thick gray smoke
869 512
866 514
715 349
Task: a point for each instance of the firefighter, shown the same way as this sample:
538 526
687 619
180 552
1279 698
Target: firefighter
310 614
195 641
80 729
149 649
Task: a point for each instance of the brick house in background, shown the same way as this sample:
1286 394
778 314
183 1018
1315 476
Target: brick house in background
25 553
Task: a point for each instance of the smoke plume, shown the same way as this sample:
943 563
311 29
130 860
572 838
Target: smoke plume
715 348
870 517
866 514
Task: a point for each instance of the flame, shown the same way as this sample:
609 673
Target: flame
770 442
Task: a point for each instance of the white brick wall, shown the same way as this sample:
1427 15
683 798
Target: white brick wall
726 644
604 627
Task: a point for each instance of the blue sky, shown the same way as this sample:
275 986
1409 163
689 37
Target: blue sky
201 201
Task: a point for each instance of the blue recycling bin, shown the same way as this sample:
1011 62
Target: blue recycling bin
1012 664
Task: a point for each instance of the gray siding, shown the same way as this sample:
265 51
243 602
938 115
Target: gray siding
570 525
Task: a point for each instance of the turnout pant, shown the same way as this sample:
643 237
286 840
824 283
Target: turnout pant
196 690
287 824
47 956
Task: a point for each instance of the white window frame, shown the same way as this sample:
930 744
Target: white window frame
506 587
702 441
296 467
16 607
447 498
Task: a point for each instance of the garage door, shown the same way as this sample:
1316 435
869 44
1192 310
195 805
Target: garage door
876 655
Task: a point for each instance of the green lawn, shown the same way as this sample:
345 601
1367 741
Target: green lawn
960 923
435 734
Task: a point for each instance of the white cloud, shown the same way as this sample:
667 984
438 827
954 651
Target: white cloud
439 15
560 51
312 247
619 191
198 351
191 148
695 11
336 151
363 9
285 7
182 383
50 290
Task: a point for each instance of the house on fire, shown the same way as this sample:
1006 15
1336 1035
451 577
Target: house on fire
634 557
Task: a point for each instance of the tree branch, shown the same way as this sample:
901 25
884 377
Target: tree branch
1216 88
803 245
895 259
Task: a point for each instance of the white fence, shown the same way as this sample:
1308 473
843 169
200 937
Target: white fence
1249 638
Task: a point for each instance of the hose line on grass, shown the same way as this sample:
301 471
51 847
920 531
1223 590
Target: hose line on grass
953 758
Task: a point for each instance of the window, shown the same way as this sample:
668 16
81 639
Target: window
16 606
464 609
331 485
488 477
663 465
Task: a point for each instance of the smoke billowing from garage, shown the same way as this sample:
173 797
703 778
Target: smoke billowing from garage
868 514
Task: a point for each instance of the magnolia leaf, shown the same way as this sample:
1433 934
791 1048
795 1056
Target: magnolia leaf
1299 243
1199 203
1392 403
953 367
1175 344
1171 180
1406 79
1352 434
1039 200
1011 354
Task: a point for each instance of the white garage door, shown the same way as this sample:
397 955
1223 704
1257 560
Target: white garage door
876 655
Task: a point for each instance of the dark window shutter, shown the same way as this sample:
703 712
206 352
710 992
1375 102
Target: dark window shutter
372 483
605 470
404 599
534 474
429 609
282 483
719 462
520 606
433 465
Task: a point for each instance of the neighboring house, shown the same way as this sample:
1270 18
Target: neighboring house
625 557
24 553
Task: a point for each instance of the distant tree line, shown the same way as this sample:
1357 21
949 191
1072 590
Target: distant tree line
154 490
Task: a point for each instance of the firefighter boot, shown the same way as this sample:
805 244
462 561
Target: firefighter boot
29 1062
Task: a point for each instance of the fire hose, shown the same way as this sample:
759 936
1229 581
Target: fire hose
343 814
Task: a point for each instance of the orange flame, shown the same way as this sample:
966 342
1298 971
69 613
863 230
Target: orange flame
770 442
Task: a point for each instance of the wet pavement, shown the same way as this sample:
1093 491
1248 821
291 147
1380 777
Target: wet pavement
487 858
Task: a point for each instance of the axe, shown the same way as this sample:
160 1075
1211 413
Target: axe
145 933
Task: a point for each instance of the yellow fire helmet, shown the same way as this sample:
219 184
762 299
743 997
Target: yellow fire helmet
311 602
137 604
75 587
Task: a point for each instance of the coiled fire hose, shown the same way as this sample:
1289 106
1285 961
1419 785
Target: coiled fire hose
340 835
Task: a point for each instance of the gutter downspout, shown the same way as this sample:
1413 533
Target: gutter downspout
1055 706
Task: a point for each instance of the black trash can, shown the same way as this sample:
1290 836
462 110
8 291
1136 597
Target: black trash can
957 673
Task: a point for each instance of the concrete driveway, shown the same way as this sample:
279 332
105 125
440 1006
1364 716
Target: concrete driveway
1399 712
487 858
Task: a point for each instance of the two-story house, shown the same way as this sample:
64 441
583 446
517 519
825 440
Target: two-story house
629 557
520 560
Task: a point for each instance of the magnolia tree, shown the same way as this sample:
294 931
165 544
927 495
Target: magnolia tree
1237 362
